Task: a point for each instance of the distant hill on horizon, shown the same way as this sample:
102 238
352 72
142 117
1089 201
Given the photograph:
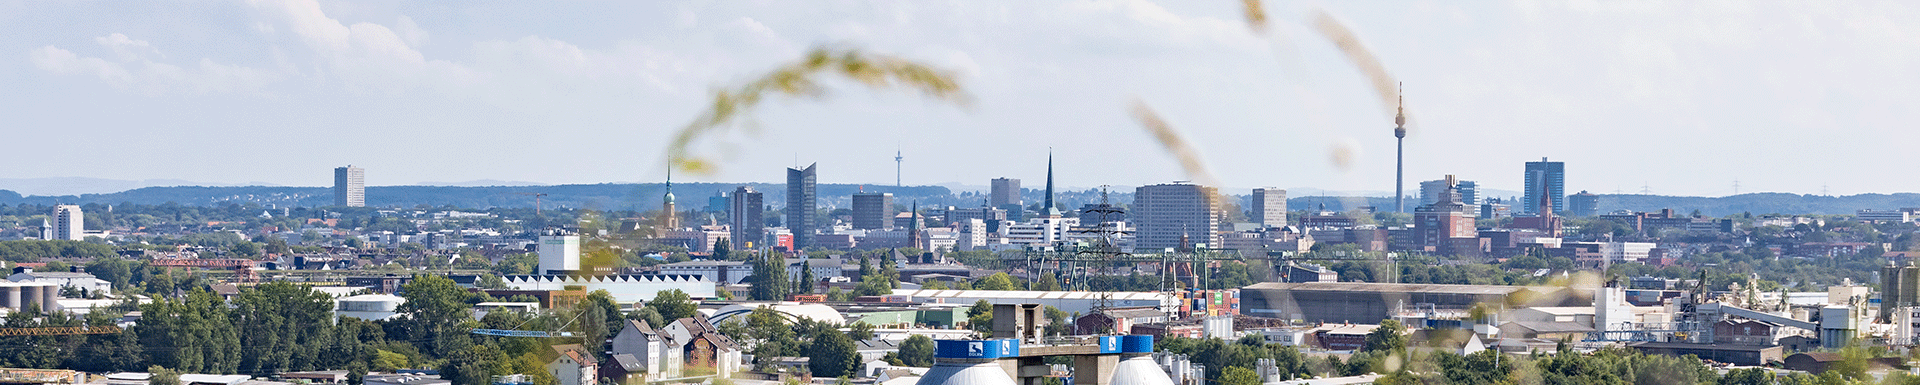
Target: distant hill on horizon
606 196
646 196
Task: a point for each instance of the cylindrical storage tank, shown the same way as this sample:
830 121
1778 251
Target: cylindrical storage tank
970 362
10 294
1137 369
50 298
29 296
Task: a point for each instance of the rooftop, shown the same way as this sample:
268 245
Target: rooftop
1399 287
1034 295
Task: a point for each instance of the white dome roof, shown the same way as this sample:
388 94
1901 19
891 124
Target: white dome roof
985 373
1139 370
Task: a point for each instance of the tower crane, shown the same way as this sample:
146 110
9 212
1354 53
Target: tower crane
536 200
58 331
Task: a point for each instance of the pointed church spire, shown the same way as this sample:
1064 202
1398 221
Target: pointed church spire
913 225
669 215
1049 210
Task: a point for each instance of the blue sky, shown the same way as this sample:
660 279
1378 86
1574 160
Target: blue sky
1683 98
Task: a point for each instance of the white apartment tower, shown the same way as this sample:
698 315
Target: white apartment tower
1165 213
68 223
350 186
1270 207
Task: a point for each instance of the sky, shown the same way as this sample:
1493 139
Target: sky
1672 98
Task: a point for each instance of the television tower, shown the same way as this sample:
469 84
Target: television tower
896 167
1400 153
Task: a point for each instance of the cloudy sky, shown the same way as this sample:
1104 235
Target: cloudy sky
1680 98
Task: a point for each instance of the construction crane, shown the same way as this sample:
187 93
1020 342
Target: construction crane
536 201
242 268
521 333
58 331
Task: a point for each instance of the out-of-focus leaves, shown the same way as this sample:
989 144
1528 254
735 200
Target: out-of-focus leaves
801 79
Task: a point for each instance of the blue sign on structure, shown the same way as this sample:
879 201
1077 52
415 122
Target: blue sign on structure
1109 344
976 348
1137 344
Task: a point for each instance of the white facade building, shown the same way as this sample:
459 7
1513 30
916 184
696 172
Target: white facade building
68 223
624 288
1628 251
559 252
723 272
371 307
87 284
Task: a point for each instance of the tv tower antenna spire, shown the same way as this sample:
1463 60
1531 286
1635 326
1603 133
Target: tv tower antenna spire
1400 153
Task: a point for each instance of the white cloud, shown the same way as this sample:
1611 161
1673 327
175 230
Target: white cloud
126 48
410 32
132 72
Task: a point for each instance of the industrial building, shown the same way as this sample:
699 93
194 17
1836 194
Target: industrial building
1360 302
23 295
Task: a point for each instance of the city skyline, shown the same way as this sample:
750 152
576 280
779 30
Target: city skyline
1479 74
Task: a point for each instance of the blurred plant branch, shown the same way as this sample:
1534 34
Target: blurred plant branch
802 79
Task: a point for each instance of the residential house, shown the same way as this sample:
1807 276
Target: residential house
702 345
624 369
573 365
655 350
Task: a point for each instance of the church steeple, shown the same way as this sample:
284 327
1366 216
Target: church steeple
913 225
669 215
1049 210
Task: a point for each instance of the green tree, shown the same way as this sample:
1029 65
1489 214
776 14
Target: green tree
1047 283
1390 337
1058 323
284 327
980 318
473 365
162 376
435 307
917 350
722 250
385 361
1239 376
769 280
997 281
872 285
672 304
357 373
649 315
860 331
833 355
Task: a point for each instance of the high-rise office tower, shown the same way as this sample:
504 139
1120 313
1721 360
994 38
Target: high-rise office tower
1466 191
1584 204
718 203
872 211
747 226
1005 191
1270 207
802 205
349 186
1551 176
1167 213
68 223
1445 223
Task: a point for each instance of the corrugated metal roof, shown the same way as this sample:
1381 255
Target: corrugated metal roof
1399 287
1037 295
